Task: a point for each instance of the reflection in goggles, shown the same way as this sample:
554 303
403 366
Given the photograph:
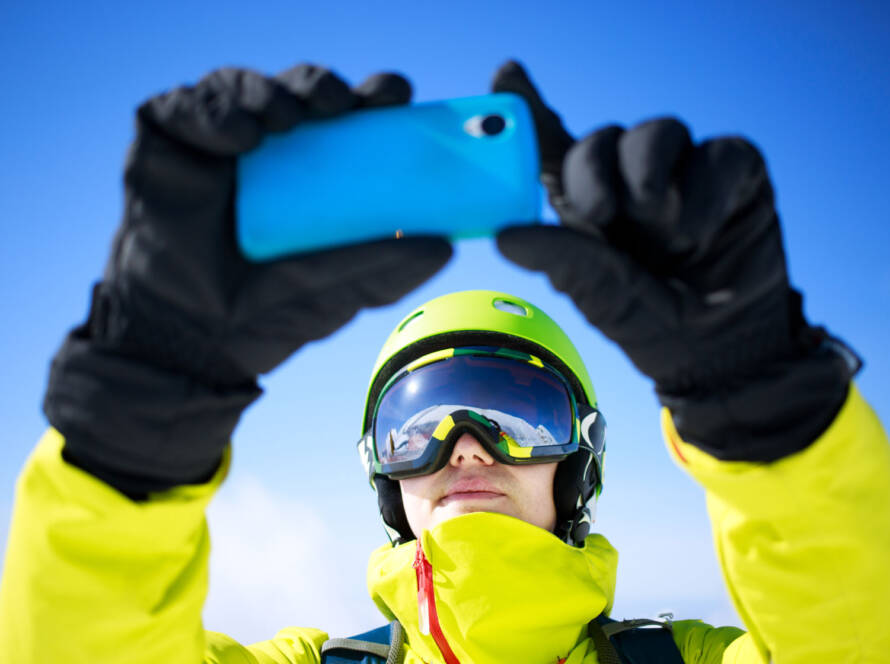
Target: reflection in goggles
411 439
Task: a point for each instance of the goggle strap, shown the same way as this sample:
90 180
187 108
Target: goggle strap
366 456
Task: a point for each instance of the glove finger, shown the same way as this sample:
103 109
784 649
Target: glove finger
217 115
321 90
649 156
553 139
729 214
276 108
383 89
270 101
288 303
724 177
593 187
612 291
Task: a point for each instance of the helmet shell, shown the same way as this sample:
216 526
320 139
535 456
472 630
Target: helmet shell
478 317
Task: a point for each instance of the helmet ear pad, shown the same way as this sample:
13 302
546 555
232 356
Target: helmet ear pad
389 500
578 476
572 490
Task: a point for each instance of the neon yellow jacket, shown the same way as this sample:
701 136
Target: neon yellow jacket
804 543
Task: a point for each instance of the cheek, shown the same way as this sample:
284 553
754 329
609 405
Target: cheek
537 490
415 489
418 508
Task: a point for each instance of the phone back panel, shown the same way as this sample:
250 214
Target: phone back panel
374 173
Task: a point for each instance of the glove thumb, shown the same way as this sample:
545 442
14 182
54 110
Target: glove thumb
308 297
553 139
612 291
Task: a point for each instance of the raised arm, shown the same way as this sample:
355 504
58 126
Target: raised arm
673 249
107 553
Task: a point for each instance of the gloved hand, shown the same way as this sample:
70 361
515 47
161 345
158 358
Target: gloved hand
149 389
673 250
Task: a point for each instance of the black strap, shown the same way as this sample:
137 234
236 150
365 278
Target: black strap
605 651
639 641
379 646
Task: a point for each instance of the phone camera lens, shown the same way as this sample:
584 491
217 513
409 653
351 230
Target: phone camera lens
492 125
485 125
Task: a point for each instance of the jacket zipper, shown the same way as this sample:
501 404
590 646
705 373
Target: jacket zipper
426 605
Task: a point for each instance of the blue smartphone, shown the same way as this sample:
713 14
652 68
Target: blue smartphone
461 168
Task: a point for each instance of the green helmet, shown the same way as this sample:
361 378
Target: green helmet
488 318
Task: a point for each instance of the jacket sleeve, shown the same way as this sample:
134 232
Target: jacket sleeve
804 542
91 576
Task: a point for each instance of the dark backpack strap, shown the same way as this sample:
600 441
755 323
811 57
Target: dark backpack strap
379 646
605 651
638 641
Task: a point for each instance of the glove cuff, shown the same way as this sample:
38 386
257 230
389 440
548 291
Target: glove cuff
773 414
135 426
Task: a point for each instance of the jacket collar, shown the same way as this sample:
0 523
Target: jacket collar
504 590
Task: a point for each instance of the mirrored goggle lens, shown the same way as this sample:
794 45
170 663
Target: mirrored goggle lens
530 405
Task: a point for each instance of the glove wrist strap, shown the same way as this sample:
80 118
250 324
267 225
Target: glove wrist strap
778 412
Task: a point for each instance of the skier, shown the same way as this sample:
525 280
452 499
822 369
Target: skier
482 435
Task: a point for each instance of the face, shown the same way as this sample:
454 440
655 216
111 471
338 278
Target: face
473 481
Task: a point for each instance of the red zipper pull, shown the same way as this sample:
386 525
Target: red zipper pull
426 605
424 588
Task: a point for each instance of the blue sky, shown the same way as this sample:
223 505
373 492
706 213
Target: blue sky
809 87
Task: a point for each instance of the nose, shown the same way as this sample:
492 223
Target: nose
469 451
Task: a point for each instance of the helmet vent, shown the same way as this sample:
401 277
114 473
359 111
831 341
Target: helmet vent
510 307
404 323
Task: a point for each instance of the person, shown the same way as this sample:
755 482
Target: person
482 439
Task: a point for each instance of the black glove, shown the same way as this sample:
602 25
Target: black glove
674 251
149 389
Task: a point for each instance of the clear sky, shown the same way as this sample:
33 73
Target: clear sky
808 82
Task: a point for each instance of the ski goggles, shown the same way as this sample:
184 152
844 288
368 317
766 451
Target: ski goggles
522 410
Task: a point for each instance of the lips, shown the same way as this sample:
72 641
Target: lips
471 488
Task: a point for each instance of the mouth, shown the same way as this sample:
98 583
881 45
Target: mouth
471 489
